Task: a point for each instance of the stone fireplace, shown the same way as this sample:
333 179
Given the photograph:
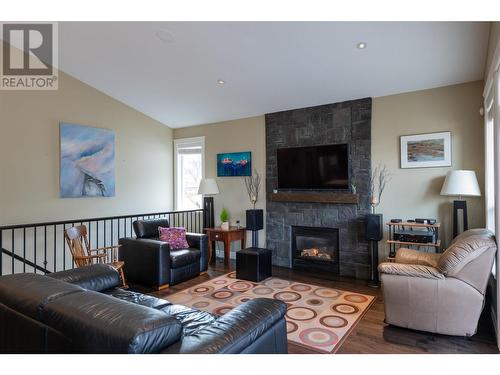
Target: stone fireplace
347 122
315 249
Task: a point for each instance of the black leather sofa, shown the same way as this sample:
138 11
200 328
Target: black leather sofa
151 262
85 311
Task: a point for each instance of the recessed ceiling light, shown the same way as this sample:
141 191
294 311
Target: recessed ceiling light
221 81
166 36
361 45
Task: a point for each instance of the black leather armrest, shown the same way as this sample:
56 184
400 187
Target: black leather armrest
199 241
97 323
96 277
147 261
236 330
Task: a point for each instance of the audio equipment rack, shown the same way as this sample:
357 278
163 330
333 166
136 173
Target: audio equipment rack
405 225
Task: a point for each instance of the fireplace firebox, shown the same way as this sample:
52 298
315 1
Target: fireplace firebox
315 249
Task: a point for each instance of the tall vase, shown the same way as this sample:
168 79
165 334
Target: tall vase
374 202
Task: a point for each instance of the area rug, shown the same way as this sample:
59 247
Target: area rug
318 318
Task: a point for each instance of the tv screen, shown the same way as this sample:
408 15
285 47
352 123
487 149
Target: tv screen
314 168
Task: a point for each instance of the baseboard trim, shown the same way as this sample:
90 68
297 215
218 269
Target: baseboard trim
161 287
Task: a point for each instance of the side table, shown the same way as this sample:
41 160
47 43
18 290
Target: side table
225 236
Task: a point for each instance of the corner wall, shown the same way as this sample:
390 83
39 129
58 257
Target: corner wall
246 134
412 192
29 155
415 192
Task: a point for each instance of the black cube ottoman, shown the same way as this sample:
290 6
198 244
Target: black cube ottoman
253 264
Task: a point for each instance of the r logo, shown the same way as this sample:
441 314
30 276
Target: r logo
28 49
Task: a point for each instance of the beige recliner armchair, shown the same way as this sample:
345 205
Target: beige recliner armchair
441 293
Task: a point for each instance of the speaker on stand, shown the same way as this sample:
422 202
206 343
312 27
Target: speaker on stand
255 222
208 212
373 234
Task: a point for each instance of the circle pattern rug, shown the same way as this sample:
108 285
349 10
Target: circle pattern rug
317 318
319 337
262 291
201 290
287 296
222 294
240 286
300 314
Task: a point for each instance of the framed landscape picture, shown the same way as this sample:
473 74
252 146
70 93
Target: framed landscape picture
87 161
234 164
426 150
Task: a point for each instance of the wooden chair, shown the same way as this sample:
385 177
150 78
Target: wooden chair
78 242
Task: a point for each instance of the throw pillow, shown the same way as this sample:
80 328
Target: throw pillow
175 237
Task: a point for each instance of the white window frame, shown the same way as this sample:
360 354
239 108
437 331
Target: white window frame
491 95
489 169
180 143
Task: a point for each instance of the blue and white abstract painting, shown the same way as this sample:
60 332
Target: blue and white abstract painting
87 161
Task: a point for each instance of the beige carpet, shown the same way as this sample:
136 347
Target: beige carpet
318 318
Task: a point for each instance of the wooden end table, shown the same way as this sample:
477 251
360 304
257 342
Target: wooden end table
226 236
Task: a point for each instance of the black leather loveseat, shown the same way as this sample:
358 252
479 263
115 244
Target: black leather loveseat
149 261
84 311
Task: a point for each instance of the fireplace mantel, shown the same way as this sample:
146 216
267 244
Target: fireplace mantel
314 197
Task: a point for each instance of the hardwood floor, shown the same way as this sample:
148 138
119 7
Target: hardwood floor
371 335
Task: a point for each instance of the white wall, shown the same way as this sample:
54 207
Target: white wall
231 136
412 192
415 192
29 155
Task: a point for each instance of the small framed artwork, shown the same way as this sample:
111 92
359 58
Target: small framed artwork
234 164
426 150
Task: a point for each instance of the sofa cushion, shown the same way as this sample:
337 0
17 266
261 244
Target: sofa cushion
190 319
149 228
29 293
410 270
97 277
410 256
137 298
175 237
465 248
97 323
183 257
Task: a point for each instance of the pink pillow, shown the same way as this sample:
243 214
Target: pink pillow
175 237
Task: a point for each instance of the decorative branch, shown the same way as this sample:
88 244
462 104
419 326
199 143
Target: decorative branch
252 184
379 179
383 178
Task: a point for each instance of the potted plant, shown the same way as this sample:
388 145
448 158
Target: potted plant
224 218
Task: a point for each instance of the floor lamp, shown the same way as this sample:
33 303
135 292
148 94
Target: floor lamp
208 187
460 183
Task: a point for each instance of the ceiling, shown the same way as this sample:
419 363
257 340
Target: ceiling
267 67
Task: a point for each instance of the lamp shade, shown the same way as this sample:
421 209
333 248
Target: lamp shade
461 183
208 186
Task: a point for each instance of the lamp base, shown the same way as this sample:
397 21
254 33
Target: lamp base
459 205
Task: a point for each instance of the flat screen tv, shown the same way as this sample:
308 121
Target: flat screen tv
314 168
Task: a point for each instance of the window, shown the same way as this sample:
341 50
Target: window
489 171
189 169
492 165
491 96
